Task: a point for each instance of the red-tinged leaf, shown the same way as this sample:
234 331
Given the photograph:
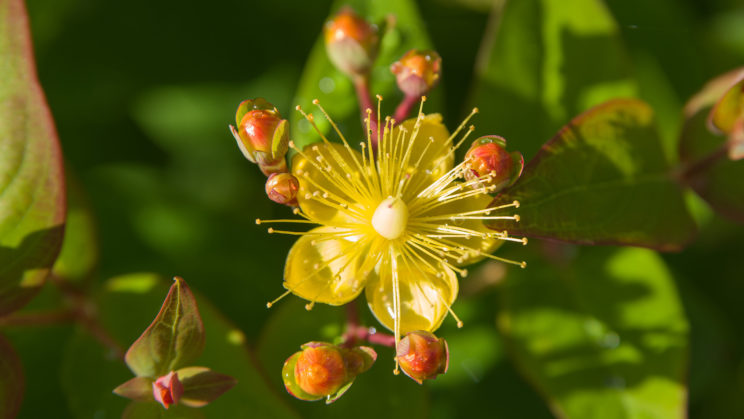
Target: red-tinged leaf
174 339
138 388
729 108
12 382
707 170
32 185
602 179
201 385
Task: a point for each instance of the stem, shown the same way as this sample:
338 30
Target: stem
688 171
356 333
402 111
361 85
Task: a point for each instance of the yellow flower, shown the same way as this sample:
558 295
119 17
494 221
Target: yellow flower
400 222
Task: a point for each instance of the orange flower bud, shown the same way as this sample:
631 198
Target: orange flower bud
417 72
422 356
262 135
325 370
282 188
352 42
167 389
490 165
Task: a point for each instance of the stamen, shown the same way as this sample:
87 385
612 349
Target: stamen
271 303
309 306
460 324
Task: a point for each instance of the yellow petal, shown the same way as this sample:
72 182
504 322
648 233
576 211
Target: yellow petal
437 158
327 268
423 297
479 244
315 182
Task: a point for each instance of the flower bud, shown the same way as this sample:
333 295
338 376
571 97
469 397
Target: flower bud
422 356
262 135
167 389
417 71
490 165
325 370
352 42
282 188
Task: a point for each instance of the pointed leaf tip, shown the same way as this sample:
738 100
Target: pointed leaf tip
174 339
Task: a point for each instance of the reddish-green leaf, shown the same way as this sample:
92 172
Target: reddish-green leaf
32 186
138 388
706 168
201 385
602 179
174 339
12 382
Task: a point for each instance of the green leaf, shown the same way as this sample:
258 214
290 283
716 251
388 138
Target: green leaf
544 62
335 91
602 179
706 168
138 388
174 339
32 190
12 382
202 386
602 337
90 371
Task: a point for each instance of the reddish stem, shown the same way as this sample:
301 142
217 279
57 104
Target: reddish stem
356 333
361 84
404 109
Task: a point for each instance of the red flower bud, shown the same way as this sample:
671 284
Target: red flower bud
282 188
490 165
422 356
325 370
417 72
167 389
320 371
262 135
352 42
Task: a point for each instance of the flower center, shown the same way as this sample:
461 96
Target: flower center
390 218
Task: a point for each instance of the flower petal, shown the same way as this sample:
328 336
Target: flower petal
315 182
478 244
423 297
437 158
326 267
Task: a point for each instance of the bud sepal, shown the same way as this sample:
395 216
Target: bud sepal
417 72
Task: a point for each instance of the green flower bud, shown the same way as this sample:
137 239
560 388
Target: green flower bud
352 42
422 356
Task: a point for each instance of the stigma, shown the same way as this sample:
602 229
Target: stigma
390 218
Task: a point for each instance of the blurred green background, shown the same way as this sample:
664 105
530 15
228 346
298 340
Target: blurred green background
142 93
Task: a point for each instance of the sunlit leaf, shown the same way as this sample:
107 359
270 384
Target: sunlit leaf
602 180
32 186
704 155
335 91
202 386
90 372
174 339
138 388
603 337
12 382
546 62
